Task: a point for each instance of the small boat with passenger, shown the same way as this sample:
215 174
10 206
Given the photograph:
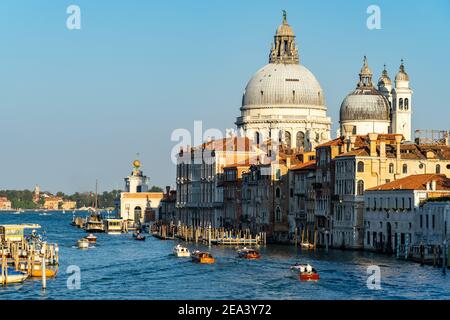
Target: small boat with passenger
248 253
202 257
91 238
305 272
180 251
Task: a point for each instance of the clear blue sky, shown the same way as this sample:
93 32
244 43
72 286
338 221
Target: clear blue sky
78 105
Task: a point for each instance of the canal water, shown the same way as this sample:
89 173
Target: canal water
122 268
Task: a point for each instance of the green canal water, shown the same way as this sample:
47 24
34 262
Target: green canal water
119 267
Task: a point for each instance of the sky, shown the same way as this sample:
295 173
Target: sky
81 105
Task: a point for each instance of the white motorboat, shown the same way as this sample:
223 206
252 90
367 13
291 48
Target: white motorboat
83 243
180 251
12 276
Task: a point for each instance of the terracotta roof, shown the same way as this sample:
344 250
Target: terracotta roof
310 165
416 182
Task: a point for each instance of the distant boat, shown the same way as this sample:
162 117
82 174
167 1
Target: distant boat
248 254
202 257
83 243
113 226
91 238
305 272
180 251
13 276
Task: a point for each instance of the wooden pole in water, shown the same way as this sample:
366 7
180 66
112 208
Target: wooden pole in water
209 235
3 268
44 276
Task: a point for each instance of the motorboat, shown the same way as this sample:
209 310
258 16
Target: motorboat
83 243
247 253
307 245
202 257
94 223
36 271
12 276
113 226
91 238
305 272
180 251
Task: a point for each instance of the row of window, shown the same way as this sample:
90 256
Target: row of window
389 203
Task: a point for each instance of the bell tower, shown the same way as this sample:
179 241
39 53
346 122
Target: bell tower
401 104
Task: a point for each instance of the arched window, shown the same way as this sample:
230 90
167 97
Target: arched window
391 168
360 188
257 137
360 166
278 214
400 103
300 140
137 214
278 192
280 136
287 138
438 168
405 168
406 103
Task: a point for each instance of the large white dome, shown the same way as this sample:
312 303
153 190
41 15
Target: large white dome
283 85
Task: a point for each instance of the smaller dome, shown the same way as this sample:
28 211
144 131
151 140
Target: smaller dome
402 75
364 105
136 163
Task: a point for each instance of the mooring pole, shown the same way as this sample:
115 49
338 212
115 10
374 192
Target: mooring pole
44 276
444 259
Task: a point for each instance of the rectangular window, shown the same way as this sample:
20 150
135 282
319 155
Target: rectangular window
432 221
426 221
421 221
368 237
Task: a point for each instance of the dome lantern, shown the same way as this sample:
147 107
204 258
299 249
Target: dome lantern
384 79
365 75
401 75
284 49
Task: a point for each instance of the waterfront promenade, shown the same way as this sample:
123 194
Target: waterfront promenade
120 268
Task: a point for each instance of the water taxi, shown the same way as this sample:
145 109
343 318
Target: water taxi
305 272
113 226
202 257
247 253
180 251
83 243
36 271
94 223
10 275
91 238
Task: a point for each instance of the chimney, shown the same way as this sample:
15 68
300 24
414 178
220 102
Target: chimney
352 142
428 186
288 161
398 140
168 190
382 149
373 144
433 185
348 130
